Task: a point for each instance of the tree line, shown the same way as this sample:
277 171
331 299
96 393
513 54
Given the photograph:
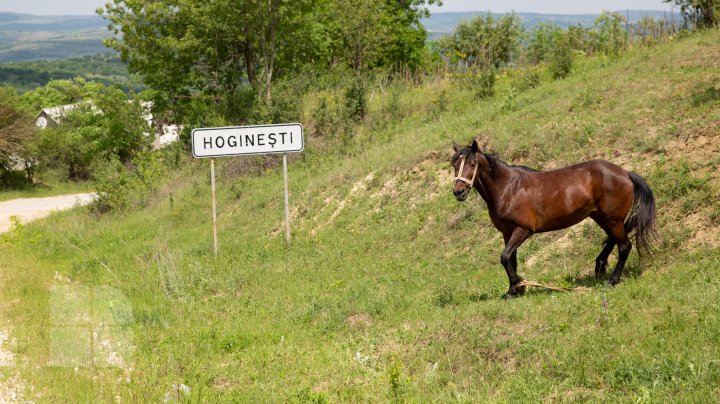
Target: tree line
107 69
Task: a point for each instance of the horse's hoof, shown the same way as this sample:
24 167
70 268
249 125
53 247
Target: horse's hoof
515 291
613 282
600 275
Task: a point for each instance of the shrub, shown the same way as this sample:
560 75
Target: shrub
283 106
117 187
236 107
509 102
561 58
526 79
13 179
326 117
17 138
122 129
485 84
394 107
484 40
356 100
120 187
71 147
439 103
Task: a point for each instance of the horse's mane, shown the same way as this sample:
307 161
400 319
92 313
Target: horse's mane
526 168
493 160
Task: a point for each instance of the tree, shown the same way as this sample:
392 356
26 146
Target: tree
701 13
360 27
561 57
609 35
485 41
405 35
216 49
541 41
70 147
59 92
123 131
17 132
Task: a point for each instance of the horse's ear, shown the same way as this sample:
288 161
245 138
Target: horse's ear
455 146
474 148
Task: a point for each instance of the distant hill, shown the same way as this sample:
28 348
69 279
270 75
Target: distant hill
106 68
439 24
25 37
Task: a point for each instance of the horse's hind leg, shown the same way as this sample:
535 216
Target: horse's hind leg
623 242
602 258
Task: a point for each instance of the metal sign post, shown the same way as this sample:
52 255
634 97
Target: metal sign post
214 209
287 207
244 140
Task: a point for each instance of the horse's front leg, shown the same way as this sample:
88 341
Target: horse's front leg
508 258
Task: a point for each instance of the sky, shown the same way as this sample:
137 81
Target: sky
52 7
85 7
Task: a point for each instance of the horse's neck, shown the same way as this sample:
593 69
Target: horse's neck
493 187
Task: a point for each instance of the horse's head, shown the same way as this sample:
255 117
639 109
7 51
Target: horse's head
466 163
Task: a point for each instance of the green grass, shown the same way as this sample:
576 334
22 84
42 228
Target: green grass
52 188
391 289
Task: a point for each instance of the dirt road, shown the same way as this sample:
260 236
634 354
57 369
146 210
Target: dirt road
28 209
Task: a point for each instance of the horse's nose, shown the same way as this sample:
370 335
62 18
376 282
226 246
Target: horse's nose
458 191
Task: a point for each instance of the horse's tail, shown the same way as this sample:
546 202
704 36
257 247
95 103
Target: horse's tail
641 220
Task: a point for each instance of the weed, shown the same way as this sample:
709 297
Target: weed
356 100
327 119
439 104
677 182
395 379
526 79
588 99
445 297
308 396
393 109
509 101
485 84
707 95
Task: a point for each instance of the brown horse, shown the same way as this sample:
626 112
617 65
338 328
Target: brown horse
522 201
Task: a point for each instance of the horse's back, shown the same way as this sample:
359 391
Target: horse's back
589 165
567 195
610 185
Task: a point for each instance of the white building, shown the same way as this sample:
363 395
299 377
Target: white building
53 116
165 134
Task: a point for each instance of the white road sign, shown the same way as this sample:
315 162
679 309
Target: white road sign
239 140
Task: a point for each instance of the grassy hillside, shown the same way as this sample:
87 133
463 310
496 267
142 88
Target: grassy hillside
391 289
